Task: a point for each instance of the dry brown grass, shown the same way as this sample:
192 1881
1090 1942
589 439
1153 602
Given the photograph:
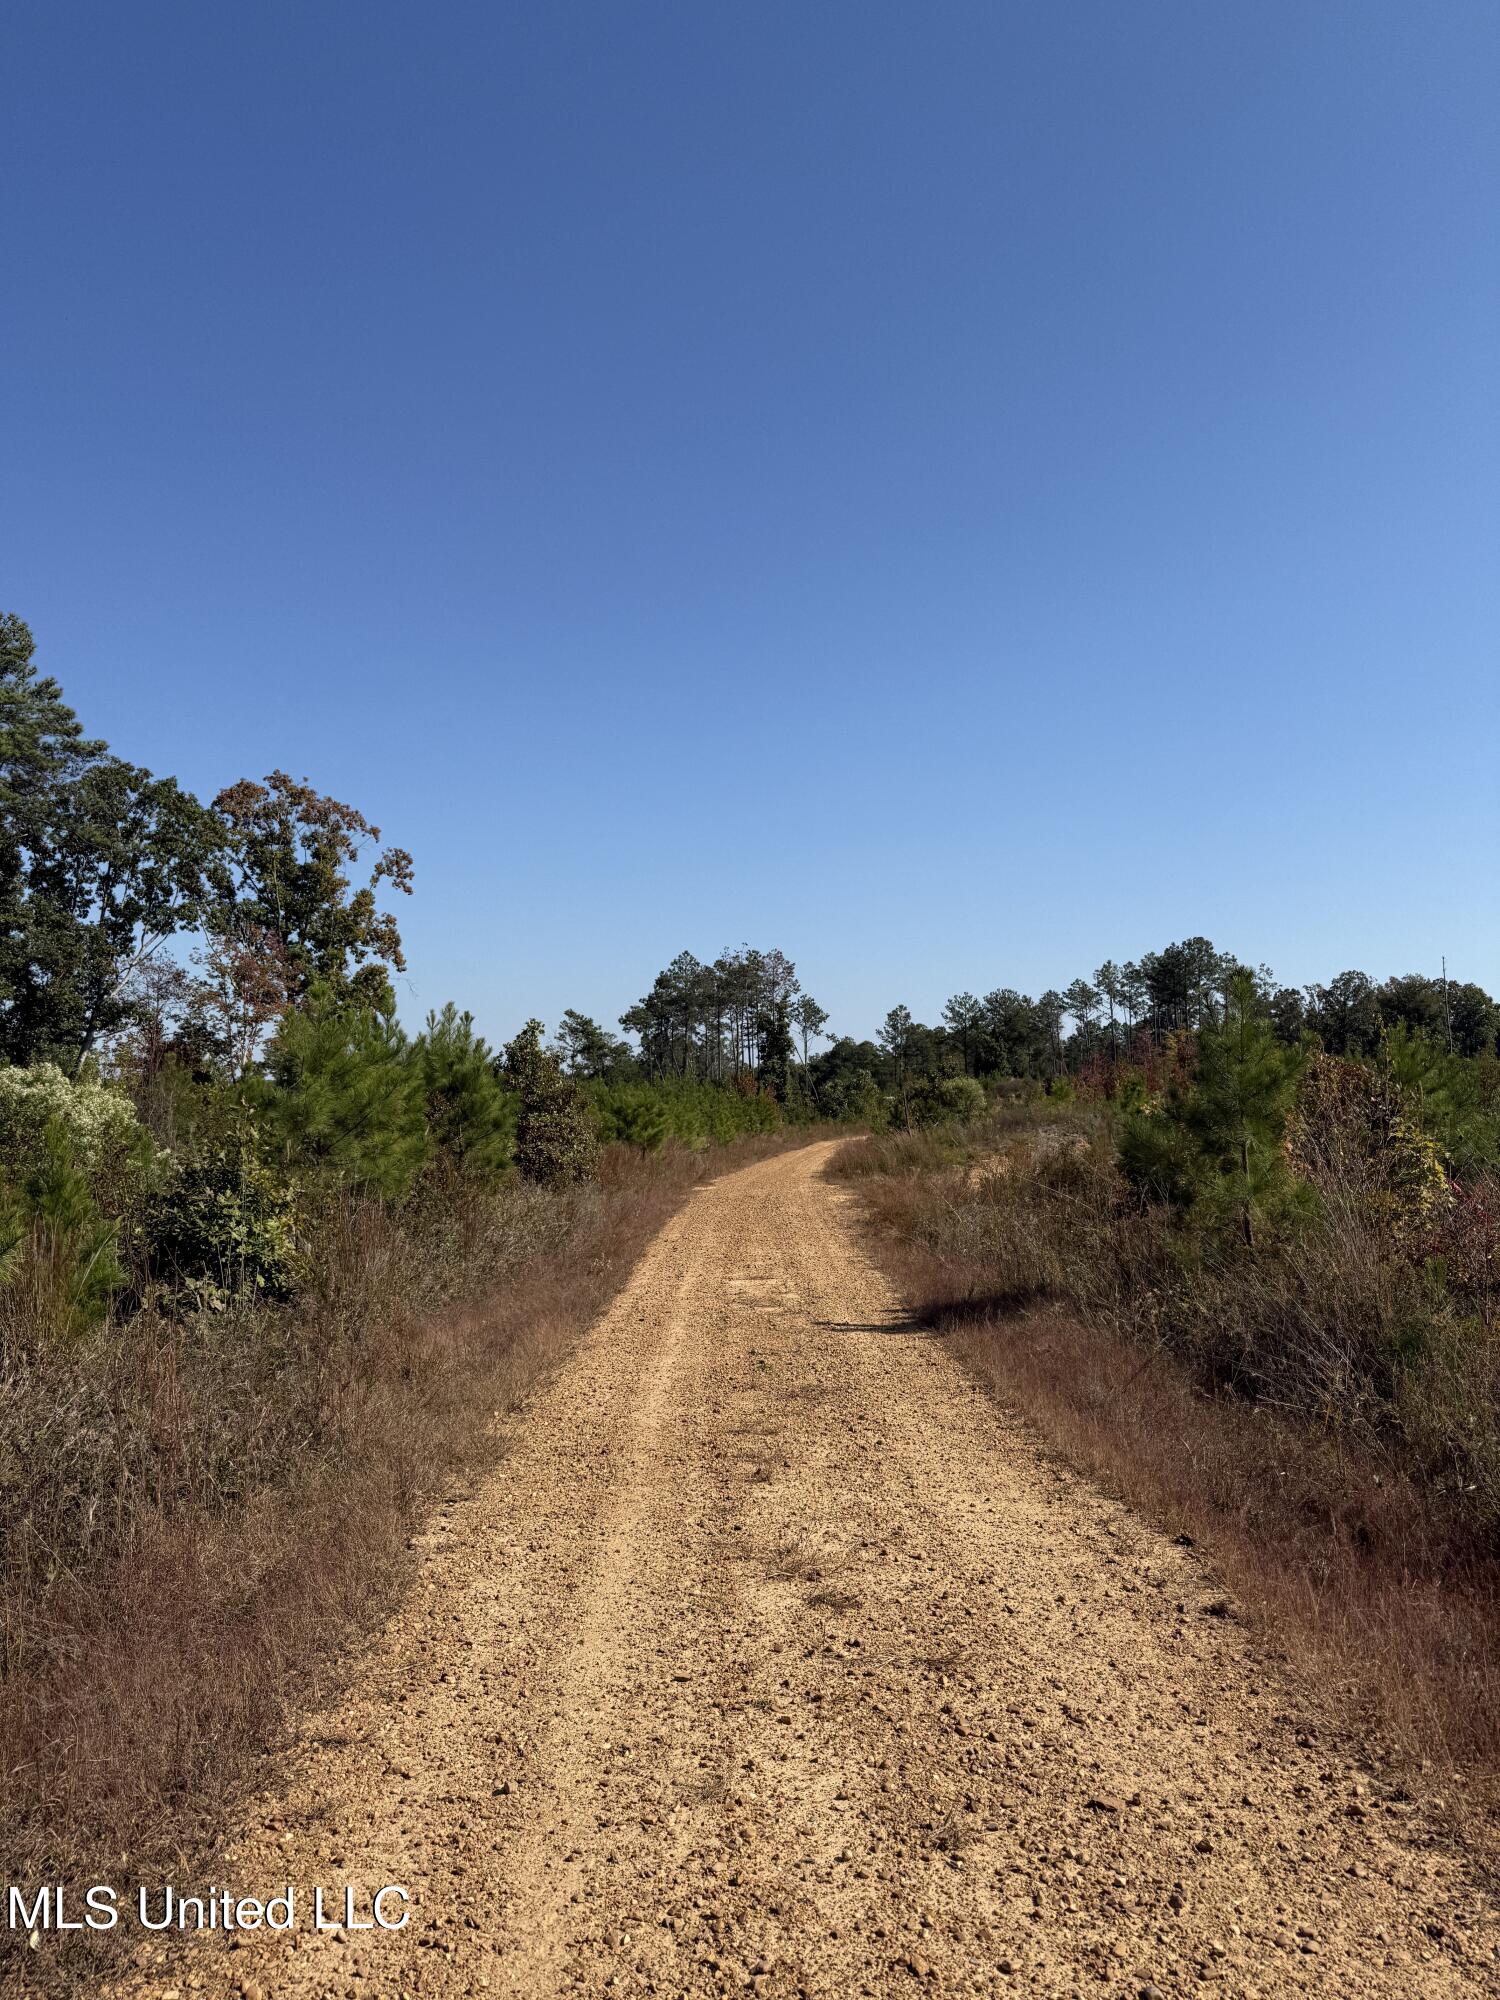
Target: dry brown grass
1362 1538
199 1523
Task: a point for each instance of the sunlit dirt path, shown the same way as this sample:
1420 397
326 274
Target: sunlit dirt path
775 1659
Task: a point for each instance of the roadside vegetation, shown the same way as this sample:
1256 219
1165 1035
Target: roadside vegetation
1240 1256
271 1265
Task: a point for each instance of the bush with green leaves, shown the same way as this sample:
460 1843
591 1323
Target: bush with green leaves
555 1140
1159 1157
853 1097
693 1113
1455 1098
709 1114
943 1100
224 1228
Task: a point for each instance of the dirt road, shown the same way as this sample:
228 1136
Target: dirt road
775 1659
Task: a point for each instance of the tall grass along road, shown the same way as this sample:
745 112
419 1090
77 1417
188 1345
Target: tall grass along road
775 1658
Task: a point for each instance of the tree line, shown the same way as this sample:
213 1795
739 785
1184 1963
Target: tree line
739 1020
1124 1009
743 1021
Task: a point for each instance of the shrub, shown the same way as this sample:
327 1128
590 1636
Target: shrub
1160 1160
940 1100
224 1228
105 1141
853 1097
1455 1098
1217 1139
695 1114
554 1139
1355 1136
1373 1320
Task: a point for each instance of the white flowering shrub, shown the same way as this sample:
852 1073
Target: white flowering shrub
106 1142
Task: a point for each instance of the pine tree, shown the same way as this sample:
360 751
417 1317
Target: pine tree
963 1015
470 1114
56 1249
589 1051
634 1115
344 1095
1218 1144
810 1020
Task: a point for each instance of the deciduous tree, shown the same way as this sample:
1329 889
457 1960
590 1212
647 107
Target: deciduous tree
289 853
100 863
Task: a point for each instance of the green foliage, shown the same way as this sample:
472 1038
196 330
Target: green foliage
1345 1014
943 1100
106 1143
589 1051
1219 1142
963 1016
1160 1159
800 1107
1373 1315
343 1096
1455 1098
289 850
99 864
706 1023
58 1264
964 1096
694 1114
844 1079
631 1115
224 1228
1012 1038
773 1028
1132 1091
810 1020
42 749
710 1114
41 740
862 1103
470 1113
554 1136
1473 1020
1181 983
1356 1137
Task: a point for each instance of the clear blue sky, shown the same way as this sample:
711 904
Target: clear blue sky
956 491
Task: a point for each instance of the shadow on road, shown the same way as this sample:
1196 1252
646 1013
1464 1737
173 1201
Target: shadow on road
900 1323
